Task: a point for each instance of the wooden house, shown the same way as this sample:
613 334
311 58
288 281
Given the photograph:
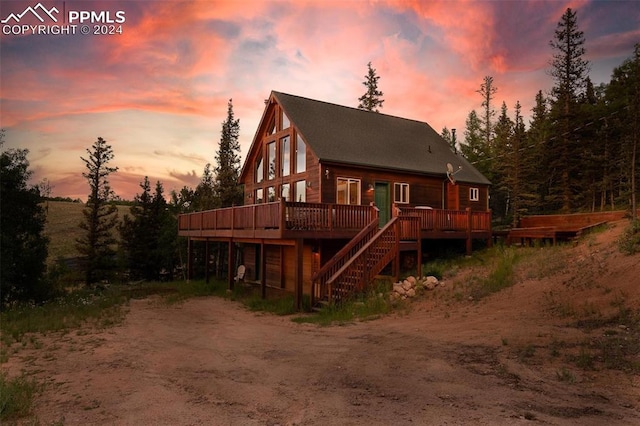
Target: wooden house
333 194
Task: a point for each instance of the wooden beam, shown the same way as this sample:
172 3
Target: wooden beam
231 267
298 273
189 260
207 261
263 269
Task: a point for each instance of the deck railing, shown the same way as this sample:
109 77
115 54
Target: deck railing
448 220
280 215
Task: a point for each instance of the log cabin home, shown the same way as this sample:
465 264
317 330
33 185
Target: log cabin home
333 195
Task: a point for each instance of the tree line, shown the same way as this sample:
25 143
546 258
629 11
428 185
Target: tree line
143 245
579 152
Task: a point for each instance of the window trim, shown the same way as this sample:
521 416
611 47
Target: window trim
474 194
349 181
401 185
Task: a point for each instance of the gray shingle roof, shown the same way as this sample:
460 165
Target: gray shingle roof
352 136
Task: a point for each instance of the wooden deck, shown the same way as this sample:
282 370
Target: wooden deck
290 220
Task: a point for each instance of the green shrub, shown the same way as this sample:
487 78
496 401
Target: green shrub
16 397
629 242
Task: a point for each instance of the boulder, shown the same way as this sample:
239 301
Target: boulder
398 288
407 285
411 292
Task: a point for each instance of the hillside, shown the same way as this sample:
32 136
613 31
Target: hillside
62 227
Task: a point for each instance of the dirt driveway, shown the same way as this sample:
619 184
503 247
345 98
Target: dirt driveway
210 361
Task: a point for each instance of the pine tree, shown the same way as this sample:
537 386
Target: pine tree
501 152
487 91
569 71
537 173
97 245
148 237
474 148
23 244
372 99
227 187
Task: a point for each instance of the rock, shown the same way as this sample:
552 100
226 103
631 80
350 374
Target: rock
412 280
406 284
430 282
398 288
411 292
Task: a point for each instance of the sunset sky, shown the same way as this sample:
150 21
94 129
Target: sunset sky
158 92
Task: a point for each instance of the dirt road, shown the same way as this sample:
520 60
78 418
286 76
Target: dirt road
209 361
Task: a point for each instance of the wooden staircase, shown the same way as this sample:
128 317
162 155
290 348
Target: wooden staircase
354 267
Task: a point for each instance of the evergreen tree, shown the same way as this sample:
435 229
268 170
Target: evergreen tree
474 148
97 245
227 187
148 237
501 152
569 71
23 244
487 91
204 196
623 99
537 173
372 99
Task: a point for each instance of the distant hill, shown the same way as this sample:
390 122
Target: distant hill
62 228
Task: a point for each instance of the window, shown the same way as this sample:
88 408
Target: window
259 170
285 191
271 160
474 194
271 129
285 121
259 196
301 155
301 191
285 156
401 193
348 191
271 194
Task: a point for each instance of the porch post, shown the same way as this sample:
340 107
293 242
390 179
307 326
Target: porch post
207 260
231 268
469 226
298 273
189 259
263 268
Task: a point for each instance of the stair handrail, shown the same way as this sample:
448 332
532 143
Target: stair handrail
392 225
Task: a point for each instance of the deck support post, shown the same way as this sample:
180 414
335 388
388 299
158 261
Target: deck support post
469 227
189 259
298 273
231 267
263 270
207 261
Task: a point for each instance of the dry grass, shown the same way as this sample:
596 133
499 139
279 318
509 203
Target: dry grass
62 228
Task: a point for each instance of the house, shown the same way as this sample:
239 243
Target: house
333 194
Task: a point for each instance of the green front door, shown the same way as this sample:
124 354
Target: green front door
383 202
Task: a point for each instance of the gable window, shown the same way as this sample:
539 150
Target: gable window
301 155
271 160
285 121
259 170
348 191
285 155
474 194
401 193
301 191
271 129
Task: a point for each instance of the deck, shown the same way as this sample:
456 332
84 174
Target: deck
291 220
